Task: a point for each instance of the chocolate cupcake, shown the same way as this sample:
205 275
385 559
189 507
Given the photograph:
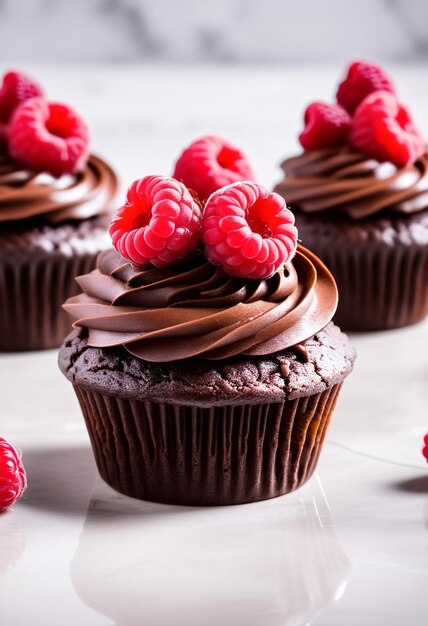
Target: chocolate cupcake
360 198
198 386
53 220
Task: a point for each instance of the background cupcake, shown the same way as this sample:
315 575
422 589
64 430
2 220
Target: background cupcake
205 378
360 195
55 198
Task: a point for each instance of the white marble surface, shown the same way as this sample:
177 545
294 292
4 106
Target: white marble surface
349 548
220 31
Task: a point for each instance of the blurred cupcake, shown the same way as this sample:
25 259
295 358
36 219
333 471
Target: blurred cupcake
360 195
205 378
55 200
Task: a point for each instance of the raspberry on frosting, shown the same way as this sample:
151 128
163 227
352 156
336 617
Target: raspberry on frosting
159 223
12 475
48 137
383 129
210 163
248 231
362 79
368 117
16 88
326 126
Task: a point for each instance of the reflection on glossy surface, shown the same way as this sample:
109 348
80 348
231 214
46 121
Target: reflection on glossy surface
12 542
274 563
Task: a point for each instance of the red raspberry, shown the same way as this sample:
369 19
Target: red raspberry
362 79
425 448
210 163
326 126
248 231
12 475
159 223
16 88
48 137
382 128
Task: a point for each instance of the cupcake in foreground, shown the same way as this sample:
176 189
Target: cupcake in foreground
206 375
360 195
55 200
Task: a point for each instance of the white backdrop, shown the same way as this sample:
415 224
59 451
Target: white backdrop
213 30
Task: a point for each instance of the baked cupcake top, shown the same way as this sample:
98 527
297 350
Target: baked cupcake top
164 297
362 156
46 170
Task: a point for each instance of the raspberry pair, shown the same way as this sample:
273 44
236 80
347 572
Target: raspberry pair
246 230
43 136
367 116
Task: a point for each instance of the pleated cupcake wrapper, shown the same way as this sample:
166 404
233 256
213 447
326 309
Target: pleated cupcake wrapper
32 294
379 287
190 455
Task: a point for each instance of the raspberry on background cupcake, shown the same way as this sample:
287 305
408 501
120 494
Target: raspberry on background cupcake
360 195
209 163
206 376
55 200
16 88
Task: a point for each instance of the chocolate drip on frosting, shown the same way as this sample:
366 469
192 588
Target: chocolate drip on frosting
196 309
348 181
25 194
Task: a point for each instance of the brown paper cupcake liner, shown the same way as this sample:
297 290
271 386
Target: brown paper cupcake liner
379 287
32 294
190 455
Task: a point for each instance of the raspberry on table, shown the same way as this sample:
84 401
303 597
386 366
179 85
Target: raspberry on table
362 79
48 137
16 88
248 230
159 223
326 126
382 128
210 163
12 475
425 448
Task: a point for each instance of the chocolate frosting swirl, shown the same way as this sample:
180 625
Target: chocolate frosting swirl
25 194
348 181
196 309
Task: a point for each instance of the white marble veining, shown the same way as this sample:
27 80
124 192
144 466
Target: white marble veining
203 30
349 548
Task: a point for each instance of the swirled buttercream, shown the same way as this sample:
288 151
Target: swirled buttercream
195 309
26 194
348 181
